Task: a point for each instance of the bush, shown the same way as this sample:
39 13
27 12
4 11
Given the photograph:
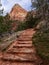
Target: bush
33 23
41 41
21 26
30 21
5 25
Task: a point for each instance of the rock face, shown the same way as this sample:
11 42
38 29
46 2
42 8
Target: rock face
18 13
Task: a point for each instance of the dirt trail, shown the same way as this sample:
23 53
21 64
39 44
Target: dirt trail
21 52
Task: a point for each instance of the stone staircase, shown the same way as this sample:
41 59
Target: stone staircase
21 52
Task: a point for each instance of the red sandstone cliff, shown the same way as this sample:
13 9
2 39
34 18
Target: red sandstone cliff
18 13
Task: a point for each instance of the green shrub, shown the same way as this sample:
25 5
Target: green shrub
41 41
31 21
27 24
5 25
21 26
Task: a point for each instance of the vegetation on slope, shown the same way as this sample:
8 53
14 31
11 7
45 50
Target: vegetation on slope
41 37
41 41
4 25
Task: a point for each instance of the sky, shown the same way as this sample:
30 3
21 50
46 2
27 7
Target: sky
8 4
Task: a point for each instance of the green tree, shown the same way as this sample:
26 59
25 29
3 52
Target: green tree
42 7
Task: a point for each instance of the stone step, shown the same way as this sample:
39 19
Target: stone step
24 63
16 57
27 33
25 36
24 42
16 46
21 50
24 39
3 62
